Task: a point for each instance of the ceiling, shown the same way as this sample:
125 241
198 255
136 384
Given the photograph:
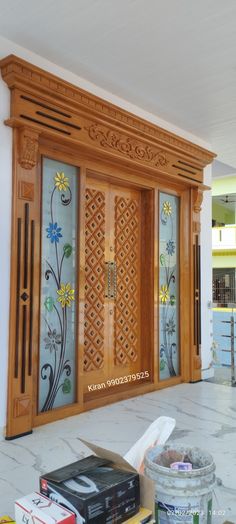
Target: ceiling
222 201
219 170
174 58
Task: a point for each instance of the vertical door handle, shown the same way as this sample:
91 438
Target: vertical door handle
113 279
110 280
107 280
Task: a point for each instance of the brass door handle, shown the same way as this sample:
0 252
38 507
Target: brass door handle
107 279
110 280
113 279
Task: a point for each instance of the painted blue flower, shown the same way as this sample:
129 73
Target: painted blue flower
170 247
54 232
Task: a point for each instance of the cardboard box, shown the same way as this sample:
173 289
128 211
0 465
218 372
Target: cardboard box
95 490
144 516
5 519
37 509
113 505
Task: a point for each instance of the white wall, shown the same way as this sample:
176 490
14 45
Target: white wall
5 237
206 277
6 48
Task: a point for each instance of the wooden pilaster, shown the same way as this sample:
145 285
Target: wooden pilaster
24 293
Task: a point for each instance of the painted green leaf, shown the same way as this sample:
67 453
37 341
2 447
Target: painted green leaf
172 300
162 259
162 364
67 250
66 387
49 303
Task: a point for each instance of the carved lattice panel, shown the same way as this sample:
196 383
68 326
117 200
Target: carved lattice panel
126 258
94 280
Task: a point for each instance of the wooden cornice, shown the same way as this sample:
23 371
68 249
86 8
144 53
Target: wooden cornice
102 124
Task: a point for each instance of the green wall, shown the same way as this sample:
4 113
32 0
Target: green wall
224 186
220 214
224 260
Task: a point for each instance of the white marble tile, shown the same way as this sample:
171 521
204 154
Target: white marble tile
205 416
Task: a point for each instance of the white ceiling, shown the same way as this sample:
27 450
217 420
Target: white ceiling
174 58
219 169
221 200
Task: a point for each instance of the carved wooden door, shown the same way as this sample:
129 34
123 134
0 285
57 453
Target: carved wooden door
112 284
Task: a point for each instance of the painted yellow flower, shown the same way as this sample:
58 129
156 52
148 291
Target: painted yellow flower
61 181
167 209
66 295
164 294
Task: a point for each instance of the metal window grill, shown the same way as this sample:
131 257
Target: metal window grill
232 337
223 285
224 295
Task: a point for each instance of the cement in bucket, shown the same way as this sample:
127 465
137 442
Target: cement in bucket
181 496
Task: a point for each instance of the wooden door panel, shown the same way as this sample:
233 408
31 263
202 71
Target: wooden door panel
95 325
127 260
94 280
112 319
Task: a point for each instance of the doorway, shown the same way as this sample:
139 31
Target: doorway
113 299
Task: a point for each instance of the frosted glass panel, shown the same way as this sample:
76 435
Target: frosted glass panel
169 286
57 380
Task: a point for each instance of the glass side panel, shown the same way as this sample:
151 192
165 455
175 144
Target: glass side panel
169 285
57 359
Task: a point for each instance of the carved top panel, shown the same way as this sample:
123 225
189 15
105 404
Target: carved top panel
113 140
20 74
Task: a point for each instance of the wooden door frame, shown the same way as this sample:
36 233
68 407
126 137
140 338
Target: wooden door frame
51 115
53 151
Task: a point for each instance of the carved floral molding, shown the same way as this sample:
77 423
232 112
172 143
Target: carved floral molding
127 146
28 151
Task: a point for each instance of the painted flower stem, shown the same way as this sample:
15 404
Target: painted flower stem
65 293
61 362
51 206
51 270
60 270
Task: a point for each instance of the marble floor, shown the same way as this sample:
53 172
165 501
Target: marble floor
222 375
205 416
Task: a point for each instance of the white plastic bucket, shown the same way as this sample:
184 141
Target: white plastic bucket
181 496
